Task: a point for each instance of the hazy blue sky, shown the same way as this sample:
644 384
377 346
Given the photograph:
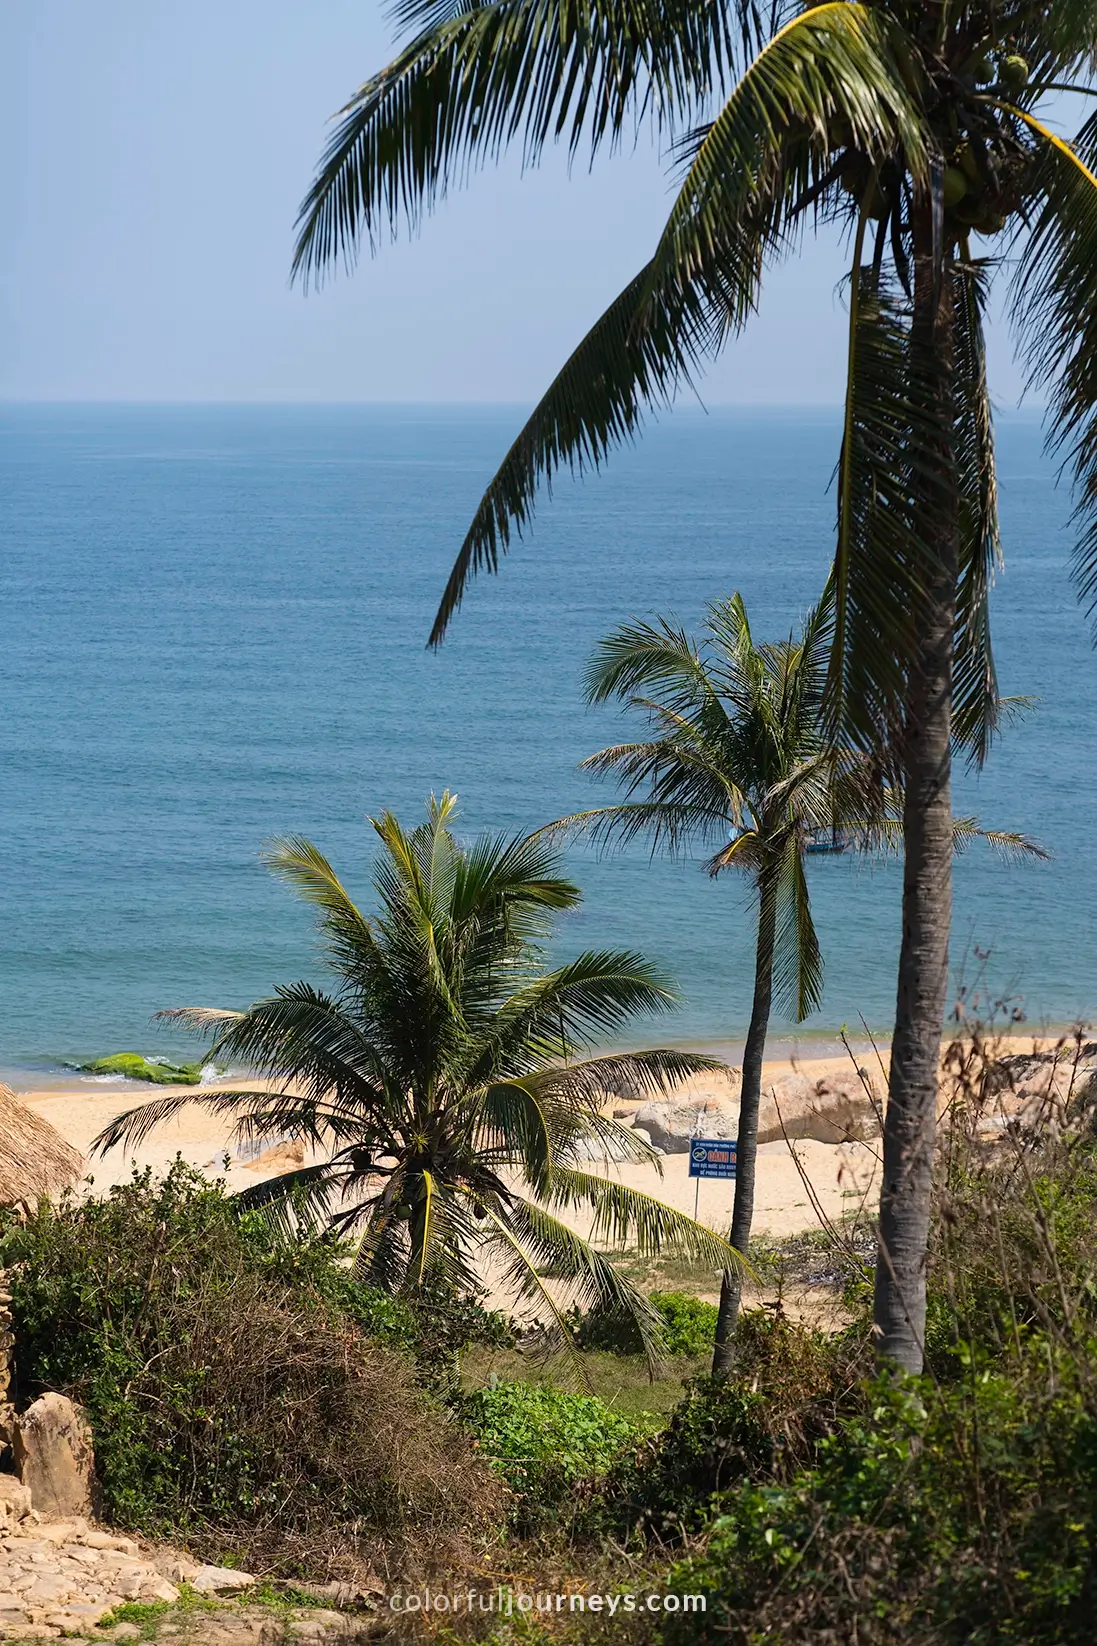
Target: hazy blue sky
154 154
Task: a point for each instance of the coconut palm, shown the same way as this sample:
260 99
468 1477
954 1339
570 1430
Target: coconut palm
439 1079
739 760
912 124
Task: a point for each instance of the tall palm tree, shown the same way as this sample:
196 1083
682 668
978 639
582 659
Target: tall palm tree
439 1080
739 758
913 124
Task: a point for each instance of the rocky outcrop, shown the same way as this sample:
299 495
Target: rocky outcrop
670 1123
15 1503
835 1109
53 1456
1039 1089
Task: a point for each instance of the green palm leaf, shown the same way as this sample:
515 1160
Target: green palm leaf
482 76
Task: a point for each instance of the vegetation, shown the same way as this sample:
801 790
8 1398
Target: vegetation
440 1080
739 757
242 1388
132 1066
689 1327
914 126
545 1442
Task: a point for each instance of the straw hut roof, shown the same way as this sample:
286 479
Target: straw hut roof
35 1160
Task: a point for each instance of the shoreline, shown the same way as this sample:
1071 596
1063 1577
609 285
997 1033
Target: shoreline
784 1052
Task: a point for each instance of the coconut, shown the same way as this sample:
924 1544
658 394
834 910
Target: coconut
955 186
1014 73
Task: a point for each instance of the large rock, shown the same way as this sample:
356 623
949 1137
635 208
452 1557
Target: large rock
52 1451
834 1109
670 1123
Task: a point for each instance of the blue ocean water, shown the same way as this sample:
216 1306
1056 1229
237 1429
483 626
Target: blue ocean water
214 625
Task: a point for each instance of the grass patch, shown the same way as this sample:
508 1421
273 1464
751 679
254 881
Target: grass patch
622 1381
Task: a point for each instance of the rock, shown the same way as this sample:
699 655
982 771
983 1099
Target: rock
834 1109
598 1149
162 1590
60 1531
282 1158
178 1568
220 1580
15 1501
52 1451
124 1631
670 1123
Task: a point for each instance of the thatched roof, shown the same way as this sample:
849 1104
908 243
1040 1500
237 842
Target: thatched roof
35 1160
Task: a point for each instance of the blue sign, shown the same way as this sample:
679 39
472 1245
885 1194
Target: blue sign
712 1157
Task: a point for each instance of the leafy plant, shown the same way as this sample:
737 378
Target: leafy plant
689 1327
546 1442
958 1516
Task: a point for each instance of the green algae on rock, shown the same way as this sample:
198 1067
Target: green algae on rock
132 1066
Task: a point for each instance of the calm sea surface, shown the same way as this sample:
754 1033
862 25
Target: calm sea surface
213 627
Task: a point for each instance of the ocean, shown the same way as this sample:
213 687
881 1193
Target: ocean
213 634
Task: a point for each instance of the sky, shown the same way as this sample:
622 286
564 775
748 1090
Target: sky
154 154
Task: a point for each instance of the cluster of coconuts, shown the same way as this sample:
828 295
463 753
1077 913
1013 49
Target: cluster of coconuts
968 201
965 192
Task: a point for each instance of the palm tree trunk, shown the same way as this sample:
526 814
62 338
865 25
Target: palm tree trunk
742 1214
910 1122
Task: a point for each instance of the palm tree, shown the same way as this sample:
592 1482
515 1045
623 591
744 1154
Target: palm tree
439 1081
739 759
912 124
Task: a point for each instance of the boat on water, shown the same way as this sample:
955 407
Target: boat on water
827 840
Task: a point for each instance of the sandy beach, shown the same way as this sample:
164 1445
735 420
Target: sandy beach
839 1175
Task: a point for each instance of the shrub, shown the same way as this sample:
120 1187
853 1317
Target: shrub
951 1516
689 1327
690 1324
228 1375
791 1387
546 1441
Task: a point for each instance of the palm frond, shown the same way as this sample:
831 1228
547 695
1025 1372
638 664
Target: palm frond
594 403
975 697
594 1281
832 65
1010 845
880 572
627 1219
481 77
648 1074
797 960
304 867
1055 311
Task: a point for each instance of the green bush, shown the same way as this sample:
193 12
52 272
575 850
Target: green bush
952 1516
791 1388
689 1327
232 1378
545 1441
